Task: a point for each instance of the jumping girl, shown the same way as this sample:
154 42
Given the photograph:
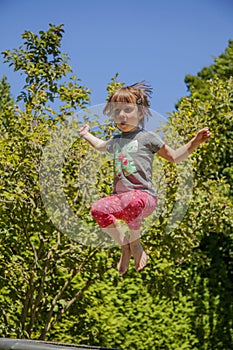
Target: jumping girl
134 196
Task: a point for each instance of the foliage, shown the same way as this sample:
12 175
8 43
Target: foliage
210 214
6 102
121 313
44 66
114 85
221 68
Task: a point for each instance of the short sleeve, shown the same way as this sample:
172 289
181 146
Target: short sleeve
154 142
110 144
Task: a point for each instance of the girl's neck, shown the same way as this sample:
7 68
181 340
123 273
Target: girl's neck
131 131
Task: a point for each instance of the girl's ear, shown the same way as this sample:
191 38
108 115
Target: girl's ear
140 115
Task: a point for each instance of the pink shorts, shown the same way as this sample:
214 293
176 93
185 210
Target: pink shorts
131 207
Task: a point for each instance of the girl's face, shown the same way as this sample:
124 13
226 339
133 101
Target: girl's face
126 116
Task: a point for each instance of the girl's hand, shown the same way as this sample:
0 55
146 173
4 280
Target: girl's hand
202 135
84 130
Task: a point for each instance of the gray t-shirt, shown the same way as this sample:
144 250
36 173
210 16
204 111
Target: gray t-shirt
133 157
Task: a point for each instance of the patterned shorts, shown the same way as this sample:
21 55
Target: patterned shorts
131 207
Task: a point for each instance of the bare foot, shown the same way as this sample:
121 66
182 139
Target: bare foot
123 264
140 257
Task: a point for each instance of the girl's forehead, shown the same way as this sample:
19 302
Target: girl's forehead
121 105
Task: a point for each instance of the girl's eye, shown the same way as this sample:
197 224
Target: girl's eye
128 110
116 111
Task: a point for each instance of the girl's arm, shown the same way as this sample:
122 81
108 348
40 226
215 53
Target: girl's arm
95 142
183 152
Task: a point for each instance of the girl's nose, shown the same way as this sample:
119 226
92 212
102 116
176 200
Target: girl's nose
122 114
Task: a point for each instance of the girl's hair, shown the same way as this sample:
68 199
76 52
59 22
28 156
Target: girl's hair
138 94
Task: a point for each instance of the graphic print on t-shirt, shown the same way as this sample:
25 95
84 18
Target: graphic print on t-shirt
124 163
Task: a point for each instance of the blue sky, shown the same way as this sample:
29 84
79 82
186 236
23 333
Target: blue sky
157 40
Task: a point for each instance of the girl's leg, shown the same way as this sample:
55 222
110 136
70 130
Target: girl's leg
105 212
116 233
134 203
139 255
141 205
131 207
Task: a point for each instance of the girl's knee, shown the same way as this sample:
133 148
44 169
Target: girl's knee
95 212
136 205
98 207
101 216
